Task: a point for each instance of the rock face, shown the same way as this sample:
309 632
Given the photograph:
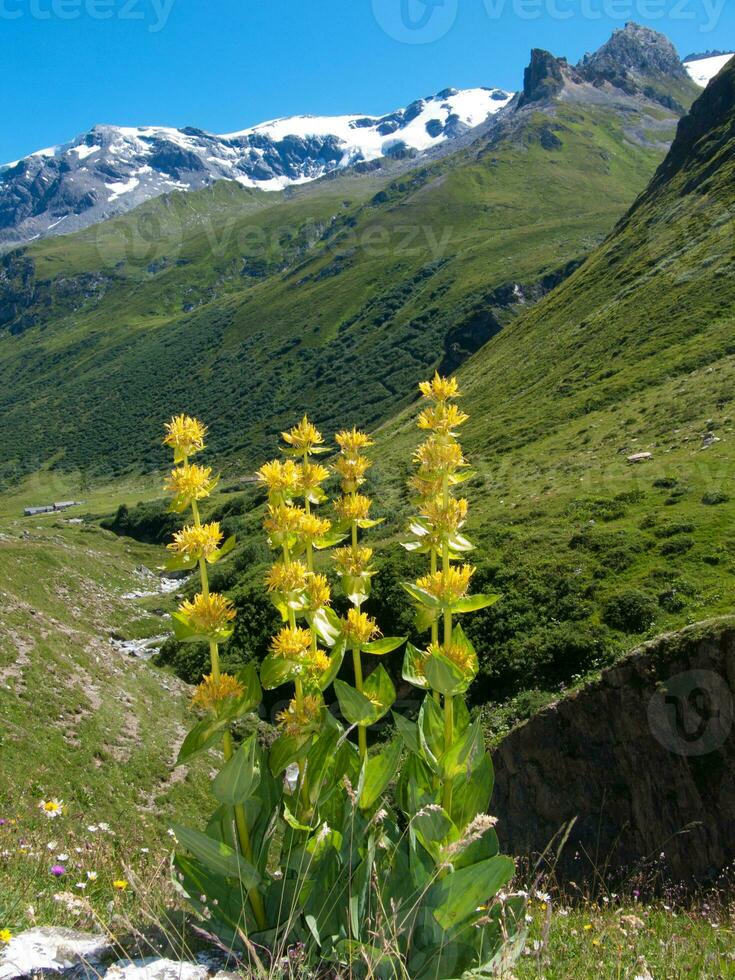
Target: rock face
633 51
644 759
543 78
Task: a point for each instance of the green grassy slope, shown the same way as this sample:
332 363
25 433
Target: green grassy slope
244 307
100 727
633 353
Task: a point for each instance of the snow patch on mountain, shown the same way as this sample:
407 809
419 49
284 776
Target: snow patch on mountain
111 169
703 70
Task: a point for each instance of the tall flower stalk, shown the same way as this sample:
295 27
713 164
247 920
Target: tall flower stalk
298 591
360 631
209 615
449 663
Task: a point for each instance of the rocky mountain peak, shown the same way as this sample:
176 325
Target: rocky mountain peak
632 51
543 78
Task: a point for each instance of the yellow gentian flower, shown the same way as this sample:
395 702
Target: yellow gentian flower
185 435
197 540
210 693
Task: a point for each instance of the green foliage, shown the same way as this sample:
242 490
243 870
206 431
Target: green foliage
293 298
631 611
151 522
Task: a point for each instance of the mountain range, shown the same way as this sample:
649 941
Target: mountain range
339 293
109 170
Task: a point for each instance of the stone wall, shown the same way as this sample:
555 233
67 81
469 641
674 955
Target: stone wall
644 758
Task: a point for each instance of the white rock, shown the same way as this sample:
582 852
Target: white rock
47 948
156 969
640 457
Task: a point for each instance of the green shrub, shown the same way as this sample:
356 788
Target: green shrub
631 611
714 497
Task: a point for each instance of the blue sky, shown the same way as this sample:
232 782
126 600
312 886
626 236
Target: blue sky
222 65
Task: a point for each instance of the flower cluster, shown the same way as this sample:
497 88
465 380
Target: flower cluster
449 663
295 530
213 691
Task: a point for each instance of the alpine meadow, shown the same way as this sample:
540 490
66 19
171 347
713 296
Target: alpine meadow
367 515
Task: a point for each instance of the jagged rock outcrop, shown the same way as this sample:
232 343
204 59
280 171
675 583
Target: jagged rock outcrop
543 78
633 51
644 759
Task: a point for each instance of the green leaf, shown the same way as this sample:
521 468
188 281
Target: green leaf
458 542
285 750
368 522
355 707
217 856
184 633
179 563
240 777
445 676
455 897
456 478
379 687
380 769
409 732
425 617
465 753
386 644
275 671
329 540
335 662
222 552
434 826
201 737
471 603
413 667
421 595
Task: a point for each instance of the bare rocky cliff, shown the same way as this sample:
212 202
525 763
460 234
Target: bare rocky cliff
644 759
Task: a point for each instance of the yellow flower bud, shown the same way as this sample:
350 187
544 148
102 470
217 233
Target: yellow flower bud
291 643
439 389
442 418
286 578
284 519
208 614
280 477
301 716
354 507
318 593
437 455
312 527
211 693
185 435
461 656
303 437
359 628
197 540
351 441
448 586
191 482
352 561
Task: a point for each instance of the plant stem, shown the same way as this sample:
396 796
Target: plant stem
361 730
448 700
254 896
356 656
